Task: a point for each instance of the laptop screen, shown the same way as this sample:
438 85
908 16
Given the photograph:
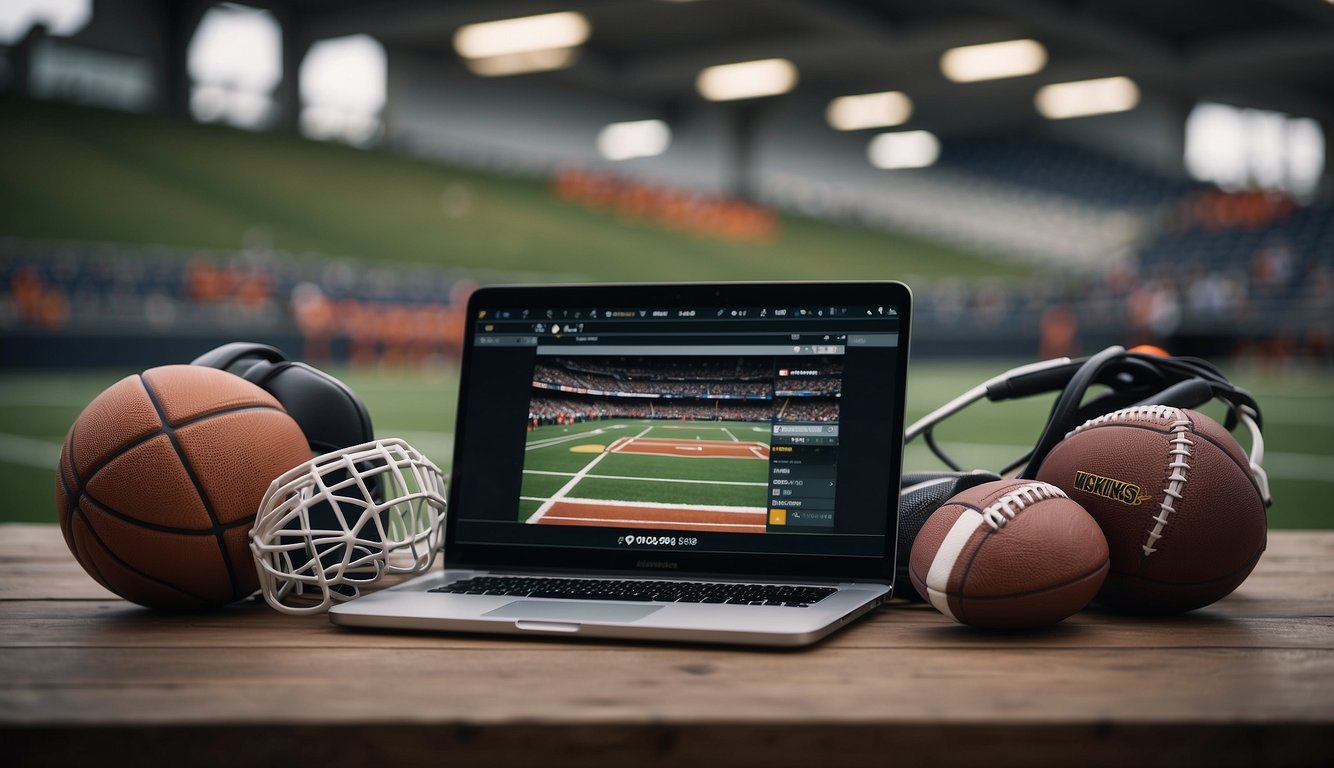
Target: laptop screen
730 429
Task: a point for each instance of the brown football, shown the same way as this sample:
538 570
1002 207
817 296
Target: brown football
1174 494
1009 554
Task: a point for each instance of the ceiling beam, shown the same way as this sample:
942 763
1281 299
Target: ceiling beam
1101 32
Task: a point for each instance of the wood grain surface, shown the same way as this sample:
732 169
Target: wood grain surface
1247 681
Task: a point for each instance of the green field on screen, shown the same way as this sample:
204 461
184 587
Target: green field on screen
557 454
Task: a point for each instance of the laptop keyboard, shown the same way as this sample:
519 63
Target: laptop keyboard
641 591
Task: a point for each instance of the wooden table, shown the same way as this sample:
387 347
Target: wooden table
85 677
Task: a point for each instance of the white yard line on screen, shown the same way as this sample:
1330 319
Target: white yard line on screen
565 489
550 441
648 479
658 523
728 432
667 505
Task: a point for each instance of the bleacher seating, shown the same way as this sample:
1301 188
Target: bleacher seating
1062 169
1029 200
391 313
1133 256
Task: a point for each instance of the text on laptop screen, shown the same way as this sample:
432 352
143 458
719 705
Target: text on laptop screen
757 429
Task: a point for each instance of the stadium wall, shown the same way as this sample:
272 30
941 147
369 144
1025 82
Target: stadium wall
32 349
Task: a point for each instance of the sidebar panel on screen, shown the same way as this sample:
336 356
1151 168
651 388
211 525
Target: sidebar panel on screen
495 421
870 446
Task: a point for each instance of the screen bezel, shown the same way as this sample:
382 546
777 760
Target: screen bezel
640 561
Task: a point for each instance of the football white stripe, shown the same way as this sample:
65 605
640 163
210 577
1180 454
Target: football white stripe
938 578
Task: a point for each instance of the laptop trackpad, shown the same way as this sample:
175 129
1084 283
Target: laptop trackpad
571 610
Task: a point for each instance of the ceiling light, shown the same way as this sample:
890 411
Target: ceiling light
747 79
522 63
904 149
1012 58
869 110
528 33
640 138
1087 97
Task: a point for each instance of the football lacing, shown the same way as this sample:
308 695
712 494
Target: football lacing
1015 500
1178 454
1139 412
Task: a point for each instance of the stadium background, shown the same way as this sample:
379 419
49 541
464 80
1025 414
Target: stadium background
333 177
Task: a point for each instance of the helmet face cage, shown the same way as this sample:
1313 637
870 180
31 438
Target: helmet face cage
345 519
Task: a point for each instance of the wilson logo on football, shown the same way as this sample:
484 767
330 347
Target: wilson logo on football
1110 488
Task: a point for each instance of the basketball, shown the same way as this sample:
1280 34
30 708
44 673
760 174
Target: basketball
1009 554
160 478
1173 492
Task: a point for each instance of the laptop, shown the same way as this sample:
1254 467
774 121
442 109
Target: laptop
694 462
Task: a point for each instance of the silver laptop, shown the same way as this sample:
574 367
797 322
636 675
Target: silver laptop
714 463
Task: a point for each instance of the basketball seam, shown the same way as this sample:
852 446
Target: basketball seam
165 528
217 530
90 566
72 501
87 559
116 452
107 551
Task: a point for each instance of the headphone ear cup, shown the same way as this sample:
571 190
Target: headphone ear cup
920 494
330 413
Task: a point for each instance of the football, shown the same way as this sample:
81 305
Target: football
1009 554
1175 496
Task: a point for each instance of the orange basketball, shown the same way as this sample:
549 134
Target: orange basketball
160 478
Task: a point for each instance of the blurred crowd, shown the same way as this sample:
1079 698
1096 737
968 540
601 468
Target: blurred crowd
673 379
550 408
1224 275
365 313
575 390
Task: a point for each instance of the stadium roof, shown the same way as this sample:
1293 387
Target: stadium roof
1276 54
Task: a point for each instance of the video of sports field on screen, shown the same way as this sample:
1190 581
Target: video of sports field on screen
665 442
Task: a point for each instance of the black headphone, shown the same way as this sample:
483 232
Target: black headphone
328 412
1132 378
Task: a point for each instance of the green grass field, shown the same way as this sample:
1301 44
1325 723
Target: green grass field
77 173
557 455
36 409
